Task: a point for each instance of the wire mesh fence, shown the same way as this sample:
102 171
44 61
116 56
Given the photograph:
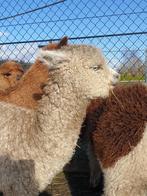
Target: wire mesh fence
118 27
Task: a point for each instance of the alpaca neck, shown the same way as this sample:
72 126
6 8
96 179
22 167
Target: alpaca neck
65 109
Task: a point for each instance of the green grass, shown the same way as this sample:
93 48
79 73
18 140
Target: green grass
129 77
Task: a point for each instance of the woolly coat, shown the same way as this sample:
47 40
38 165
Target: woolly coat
120 139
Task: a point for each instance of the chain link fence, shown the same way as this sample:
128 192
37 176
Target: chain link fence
118 27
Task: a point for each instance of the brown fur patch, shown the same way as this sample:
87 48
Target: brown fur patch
10 66
56 46
37 96
121 125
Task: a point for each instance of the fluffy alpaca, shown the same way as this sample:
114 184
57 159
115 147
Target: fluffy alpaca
10 74
120 139
44 140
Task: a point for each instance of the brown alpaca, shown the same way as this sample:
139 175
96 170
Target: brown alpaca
10 74
30 86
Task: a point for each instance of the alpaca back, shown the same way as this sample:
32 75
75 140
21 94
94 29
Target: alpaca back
122 124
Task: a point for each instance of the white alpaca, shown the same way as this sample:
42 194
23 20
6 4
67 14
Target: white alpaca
35 145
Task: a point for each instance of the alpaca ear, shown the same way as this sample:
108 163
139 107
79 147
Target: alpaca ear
53 58
63 42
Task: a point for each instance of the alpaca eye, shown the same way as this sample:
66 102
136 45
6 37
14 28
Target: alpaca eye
7 74
97 67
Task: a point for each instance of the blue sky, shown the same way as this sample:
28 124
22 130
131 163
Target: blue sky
76 18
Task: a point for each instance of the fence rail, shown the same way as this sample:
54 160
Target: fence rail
118 27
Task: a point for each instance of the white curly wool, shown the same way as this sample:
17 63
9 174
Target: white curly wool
35 145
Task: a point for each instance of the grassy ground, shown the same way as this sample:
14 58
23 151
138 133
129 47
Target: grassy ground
126 77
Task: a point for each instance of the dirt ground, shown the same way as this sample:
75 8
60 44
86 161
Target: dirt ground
74 181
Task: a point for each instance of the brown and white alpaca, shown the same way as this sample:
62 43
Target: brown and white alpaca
119 138
44 140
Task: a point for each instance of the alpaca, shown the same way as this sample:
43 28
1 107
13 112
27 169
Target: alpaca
119 139
29 89
44 139
22 94
30 83
10 74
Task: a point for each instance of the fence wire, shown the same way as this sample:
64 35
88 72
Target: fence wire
119 28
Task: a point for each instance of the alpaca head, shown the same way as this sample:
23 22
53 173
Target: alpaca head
85 68
10 73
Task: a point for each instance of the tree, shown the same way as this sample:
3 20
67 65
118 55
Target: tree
132 63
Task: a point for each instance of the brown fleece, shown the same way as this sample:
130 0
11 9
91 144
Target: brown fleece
121 125
30 87
10 74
